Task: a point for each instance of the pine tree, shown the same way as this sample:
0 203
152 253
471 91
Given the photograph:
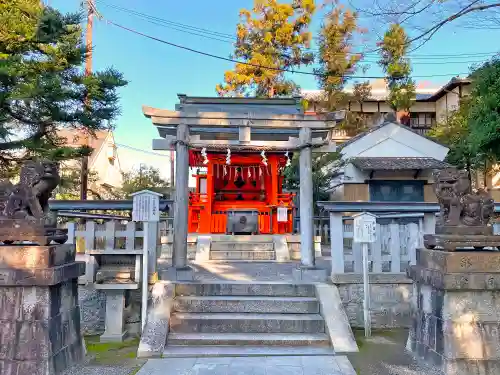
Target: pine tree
396 66
272 35
336 61
43 87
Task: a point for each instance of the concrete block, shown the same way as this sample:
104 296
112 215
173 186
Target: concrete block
40 331
154 336
244 289
310 274
237 304
184 274
249 339
242 255
317 247
203 248
90 268
281 249
114 323
336 321
242 246
246 323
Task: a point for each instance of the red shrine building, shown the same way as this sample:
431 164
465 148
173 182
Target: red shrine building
238 149
240 193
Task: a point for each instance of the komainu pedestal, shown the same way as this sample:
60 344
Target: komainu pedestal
456 311
39 313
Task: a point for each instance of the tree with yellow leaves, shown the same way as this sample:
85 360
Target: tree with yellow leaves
272 37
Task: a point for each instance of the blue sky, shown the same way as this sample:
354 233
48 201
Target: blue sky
158 72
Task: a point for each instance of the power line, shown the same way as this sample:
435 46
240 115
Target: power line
231 39
143 151
168 23
257 65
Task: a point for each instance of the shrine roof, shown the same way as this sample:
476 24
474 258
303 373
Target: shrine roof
277 106
246 124
397 163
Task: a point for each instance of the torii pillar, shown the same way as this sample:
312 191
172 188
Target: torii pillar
307 270
179 256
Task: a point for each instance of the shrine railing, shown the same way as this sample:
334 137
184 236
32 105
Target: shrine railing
400 230
113 236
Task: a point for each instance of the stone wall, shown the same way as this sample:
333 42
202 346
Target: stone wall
93 310
390 299
456 311
39 312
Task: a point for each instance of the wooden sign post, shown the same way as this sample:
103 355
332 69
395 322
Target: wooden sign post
146 209
365 226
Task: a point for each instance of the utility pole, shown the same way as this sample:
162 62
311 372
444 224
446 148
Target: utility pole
84 173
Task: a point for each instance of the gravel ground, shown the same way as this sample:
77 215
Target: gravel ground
385 354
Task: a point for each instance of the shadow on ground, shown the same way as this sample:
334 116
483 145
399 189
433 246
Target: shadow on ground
385 354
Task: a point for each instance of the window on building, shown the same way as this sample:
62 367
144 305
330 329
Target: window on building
397 191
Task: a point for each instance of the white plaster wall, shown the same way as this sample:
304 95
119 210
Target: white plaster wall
423 107
353 175
394 141
107 172
449 103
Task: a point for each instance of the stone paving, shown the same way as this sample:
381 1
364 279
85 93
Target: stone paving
244 271
296 365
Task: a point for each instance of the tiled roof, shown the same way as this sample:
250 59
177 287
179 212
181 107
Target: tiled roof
389 119
397 163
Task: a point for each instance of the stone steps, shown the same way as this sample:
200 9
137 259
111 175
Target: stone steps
249 339
259 255
259 238
246 323
247 304
244 351
244 319
242 246
245 289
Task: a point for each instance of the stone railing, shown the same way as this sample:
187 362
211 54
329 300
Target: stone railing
112 249
400 230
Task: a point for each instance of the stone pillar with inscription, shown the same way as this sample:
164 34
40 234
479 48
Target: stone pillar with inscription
456 284
456 311
39 312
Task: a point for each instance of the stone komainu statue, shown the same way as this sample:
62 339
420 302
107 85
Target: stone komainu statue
29 199
459 206
24 207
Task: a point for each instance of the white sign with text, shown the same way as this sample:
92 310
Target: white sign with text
365 228
282 214
146 206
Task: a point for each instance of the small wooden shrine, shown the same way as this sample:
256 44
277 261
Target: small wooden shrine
240 193
239 148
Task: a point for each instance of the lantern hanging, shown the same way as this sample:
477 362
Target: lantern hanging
288 161
264 158
204 155
228 157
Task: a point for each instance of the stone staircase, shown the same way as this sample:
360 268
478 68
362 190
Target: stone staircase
242 248
235 319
